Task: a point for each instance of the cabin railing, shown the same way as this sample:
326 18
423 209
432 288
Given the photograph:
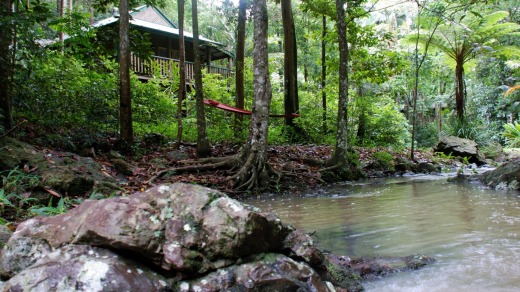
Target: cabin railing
166 67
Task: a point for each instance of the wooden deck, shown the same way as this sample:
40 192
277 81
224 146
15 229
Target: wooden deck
165 67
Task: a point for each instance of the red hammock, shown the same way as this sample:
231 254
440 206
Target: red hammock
233 109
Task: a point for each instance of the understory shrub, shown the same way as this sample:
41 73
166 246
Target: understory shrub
384 160
426 135
385 125
511 134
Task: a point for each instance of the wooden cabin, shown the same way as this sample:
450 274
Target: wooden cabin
164 37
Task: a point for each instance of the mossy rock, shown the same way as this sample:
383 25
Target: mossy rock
65 172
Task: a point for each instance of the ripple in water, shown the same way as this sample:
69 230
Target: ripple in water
472 231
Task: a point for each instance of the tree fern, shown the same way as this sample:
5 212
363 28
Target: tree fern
460 40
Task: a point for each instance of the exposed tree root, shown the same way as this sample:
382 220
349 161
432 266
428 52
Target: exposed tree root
333 167
207 164
209 160
251 175
310 161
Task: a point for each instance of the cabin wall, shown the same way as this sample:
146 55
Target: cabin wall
169 47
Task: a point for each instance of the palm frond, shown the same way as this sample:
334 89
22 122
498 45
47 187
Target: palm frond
512 134
511 90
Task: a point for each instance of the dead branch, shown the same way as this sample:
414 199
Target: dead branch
12 129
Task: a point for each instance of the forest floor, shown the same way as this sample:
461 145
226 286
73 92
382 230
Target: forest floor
289 160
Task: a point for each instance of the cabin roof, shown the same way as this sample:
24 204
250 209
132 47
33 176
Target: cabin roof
152 20
153 27
151 14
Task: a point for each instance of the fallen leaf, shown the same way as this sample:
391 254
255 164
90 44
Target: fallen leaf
52 192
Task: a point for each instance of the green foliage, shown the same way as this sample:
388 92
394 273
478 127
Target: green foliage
50 210
385 125
61 93
512 134
384 160
472 128
15 193
492 150
154 106
220 124
17 181
442 155
426 135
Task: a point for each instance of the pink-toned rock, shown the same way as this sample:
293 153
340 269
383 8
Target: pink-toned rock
266 272
177 228
197 237
85 268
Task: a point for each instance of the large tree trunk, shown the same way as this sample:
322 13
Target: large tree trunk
459 89
181 94
290 63
240 57
324 75
362 119
254 172
62 8
6 69
340 151
203 148
125 99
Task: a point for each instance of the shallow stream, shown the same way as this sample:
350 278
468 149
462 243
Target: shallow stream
473 232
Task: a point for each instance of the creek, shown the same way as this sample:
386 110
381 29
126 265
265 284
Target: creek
472 231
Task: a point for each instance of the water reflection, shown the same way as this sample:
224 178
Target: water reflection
472 231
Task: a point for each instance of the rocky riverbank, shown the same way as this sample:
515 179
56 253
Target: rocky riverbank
176 237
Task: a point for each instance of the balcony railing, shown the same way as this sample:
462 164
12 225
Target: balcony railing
166 67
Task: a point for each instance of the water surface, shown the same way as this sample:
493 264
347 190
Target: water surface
472 231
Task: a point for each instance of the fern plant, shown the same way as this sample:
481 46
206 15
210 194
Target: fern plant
512 134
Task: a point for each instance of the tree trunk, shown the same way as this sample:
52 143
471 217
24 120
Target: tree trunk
254 172
362 119
240 57
459 90
324 75
290 63
125 99
6 72
62 8
340 151
181 94
203 148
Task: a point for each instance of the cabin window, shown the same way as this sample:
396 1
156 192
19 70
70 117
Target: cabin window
162 52
174 54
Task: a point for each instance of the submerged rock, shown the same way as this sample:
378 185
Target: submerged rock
375 267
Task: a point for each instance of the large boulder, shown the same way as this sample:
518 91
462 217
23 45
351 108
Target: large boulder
266 272
194 238
180 228
65 172
506 176
460 147
185 232
5 234
85 268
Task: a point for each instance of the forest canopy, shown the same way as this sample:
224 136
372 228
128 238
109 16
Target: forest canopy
426 68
